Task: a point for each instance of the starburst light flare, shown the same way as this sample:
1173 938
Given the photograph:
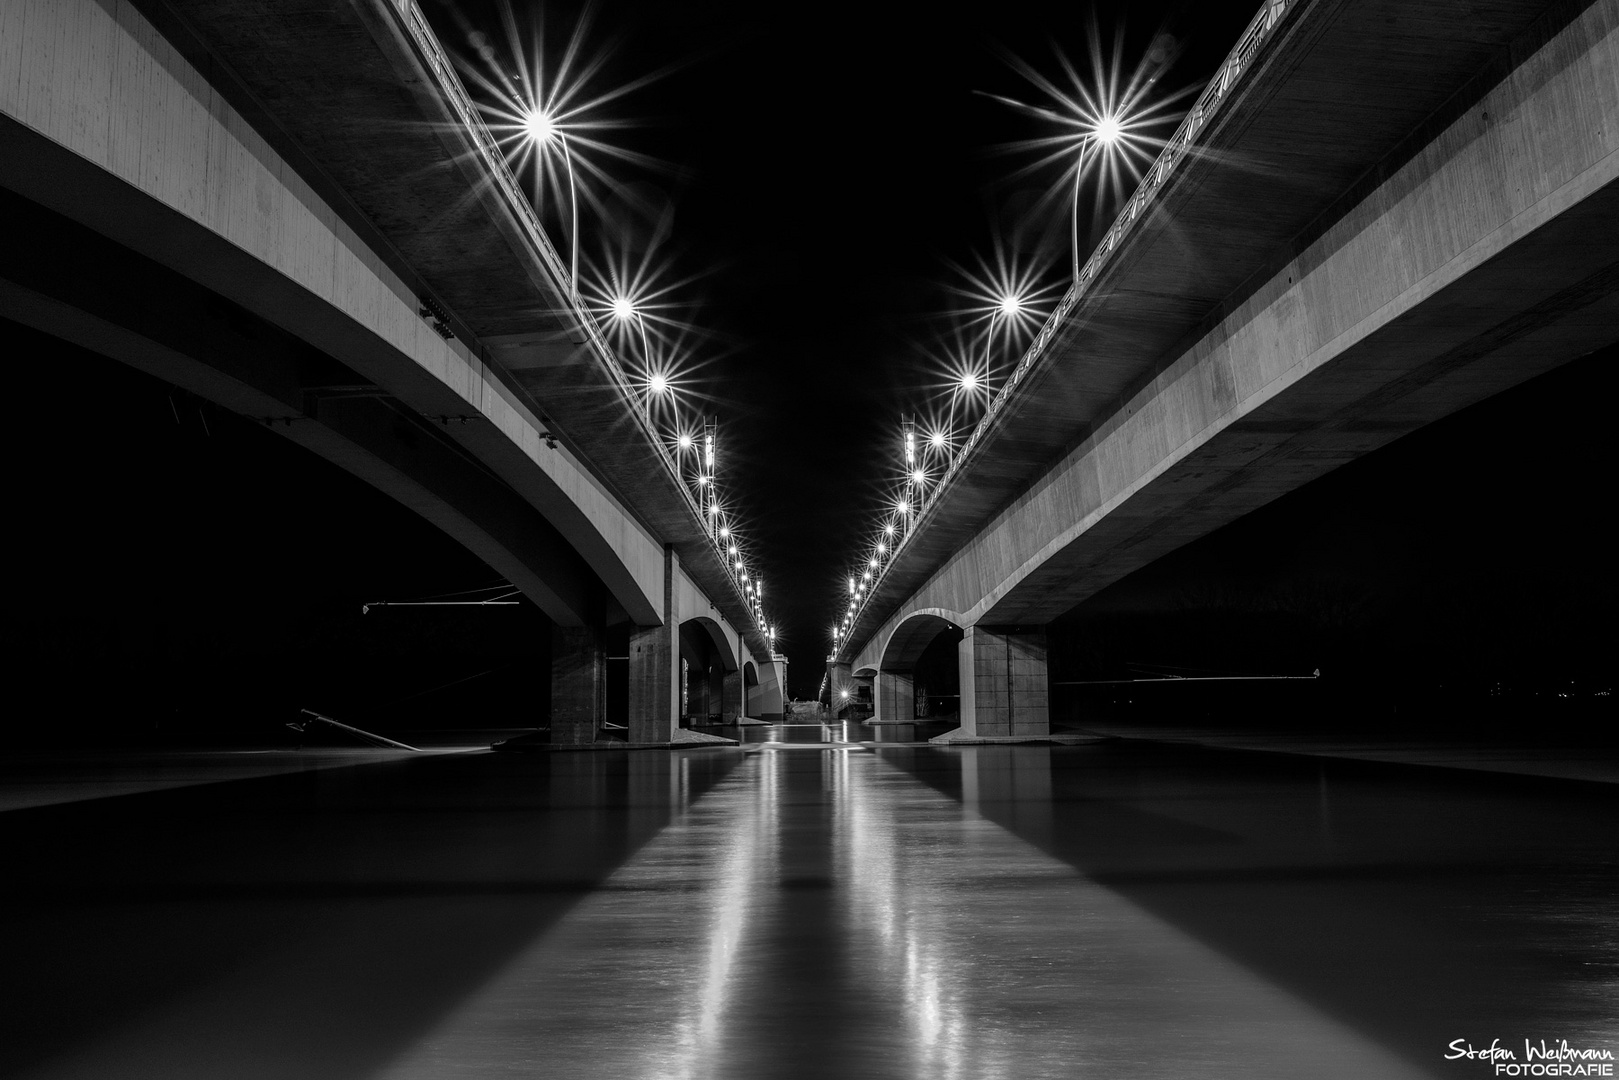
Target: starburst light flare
1114 121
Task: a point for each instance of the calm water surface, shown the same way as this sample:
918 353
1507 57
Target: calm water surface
811 907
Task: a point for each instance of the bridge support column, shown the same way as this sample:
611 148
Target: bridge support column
655 669
731 695
578 684
896 697
654 683
1003 682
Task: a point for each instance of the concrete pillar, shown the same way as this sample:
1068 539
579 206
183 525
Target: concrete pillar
731 695
578 684
696 695
895 697
714 690
1003 681
655 669
654 683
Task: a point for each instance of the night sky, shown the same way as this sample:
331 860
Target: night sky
813 172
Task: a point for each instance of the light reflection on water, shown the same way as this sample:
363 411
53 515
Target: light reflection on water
1016 912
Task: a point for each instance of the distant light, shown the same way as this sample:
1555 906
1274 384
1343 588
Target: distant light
739 564
701 481
888 530
843 693
851 583
873 566
725 531
733 551
1107 130
882 549
1010 304
659 383
903 507
709 440
685 442
969 381
936 440
866 576
623 307
918 476
539 125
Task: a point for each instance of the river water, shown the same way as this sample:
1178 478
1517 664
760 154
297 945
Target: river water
812 907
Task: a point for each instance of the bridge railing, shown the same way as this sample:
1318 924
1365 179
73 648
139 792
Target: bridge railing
1260 31
495 167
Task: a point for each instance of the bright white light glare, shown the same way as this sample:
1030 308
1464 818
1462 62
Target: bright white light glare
1107 130
725 530
873 565
685 442
739 564
903 507
918 476
969 381
702 481
539 125
733 551
888 530
659 383
882 549
936 440
709 451
623 307
843 693
866 576
1010 304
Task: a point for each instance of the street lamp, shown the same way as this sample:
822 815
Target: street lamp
543 129
1104 132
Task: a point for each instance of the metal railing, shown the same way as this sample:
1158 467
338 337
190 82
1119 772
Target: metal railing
495 167
1240 59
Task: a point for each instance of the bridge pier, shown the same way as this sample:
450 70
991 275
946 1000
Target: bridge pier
578 684
654 689
1003 682
895 697
731 695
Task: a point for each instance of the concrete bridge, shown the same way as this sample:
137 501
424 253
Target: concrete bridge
301 220
1381 212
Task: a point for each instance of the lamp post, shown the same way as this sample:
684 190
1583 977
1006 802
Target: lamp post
542 128
1104 132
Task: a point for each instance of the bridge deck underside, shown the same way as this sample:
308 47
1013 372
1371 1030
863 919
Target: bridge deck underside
338 93
1337 103
1552 297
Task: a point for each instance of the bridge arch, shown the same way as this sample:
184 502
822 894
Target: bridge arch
916 667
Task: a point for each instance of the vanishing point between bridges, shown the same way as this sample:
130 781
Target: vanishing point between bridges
1212 679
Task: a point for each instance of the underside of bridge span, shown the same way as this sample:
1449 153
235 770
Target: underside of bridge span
1213 365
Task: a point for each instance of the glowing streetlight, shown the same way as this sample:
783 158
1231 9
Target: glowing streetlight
1105 132
542 129
918 477
658 383
882 549
969 381
685 444
903 507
